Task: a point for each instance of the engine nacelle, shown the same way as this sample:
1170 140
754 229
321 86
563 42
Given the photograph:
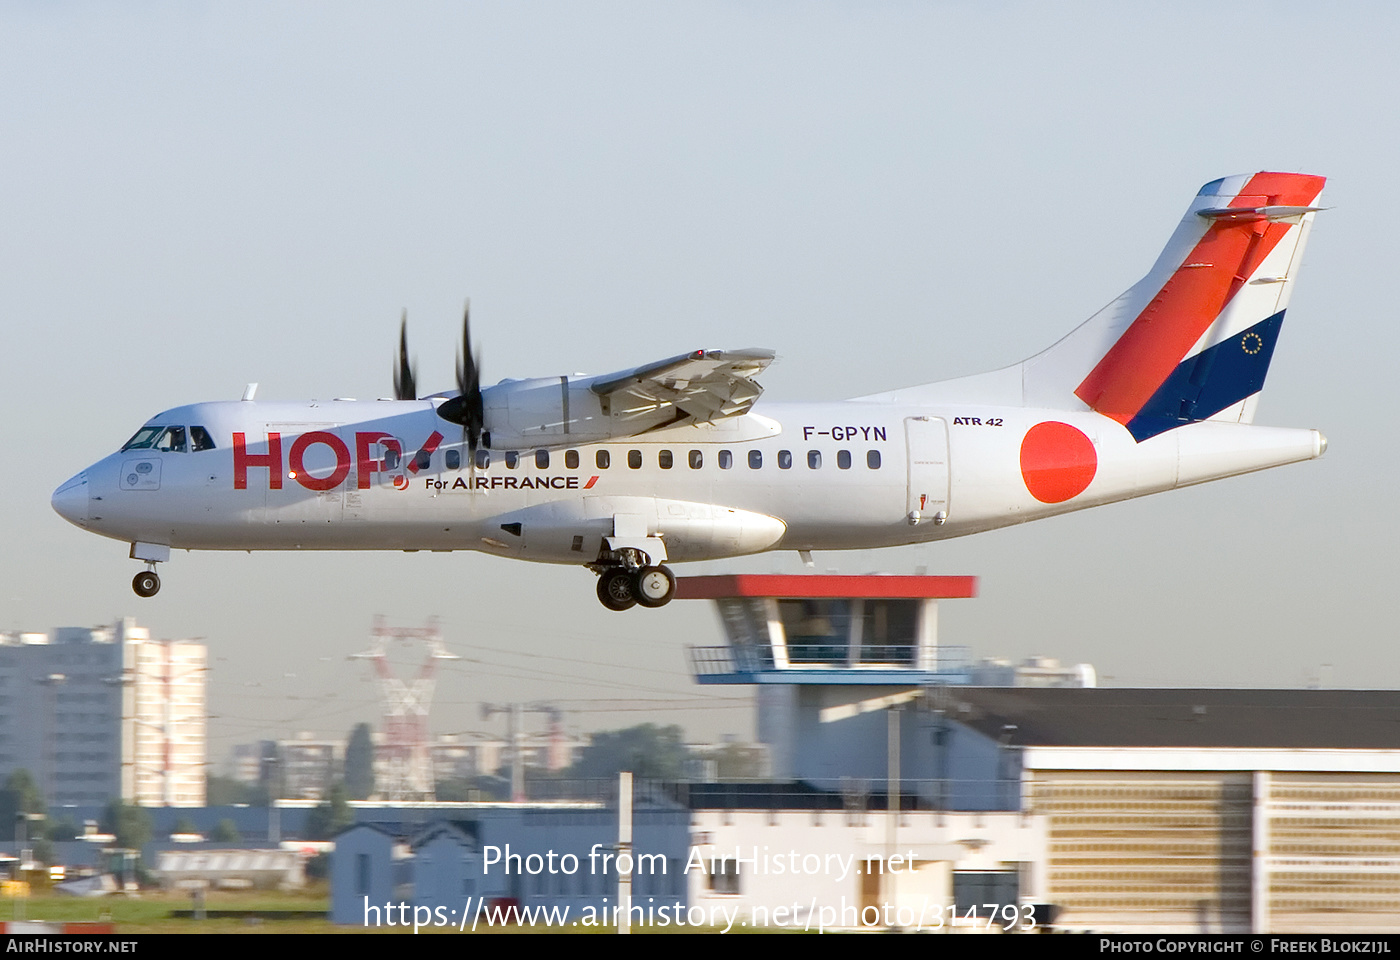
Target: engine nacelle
544 412
576 531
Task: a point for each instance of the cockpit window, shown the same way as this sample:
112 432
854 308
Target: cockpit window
200 439
143 439
172 440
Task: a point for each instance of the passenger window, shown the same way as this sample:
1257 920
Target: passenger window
843 459
634 459
784 459
483 459
391 459
603 459
571 459
172 440
755 459
814 459
697 459
542 459
512 459
424 459
664 460
200 439
454 459
872 459
726 459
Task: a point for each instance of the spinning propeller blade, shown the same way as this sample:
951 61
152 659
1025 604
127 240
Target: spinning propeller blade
405 379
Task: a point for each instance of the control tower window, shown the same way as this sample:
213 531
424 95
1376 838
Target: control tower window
889 631
817 630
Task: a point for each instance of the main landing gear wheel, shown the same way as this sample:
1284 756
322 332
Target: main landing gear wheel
654 586
146 583
615 589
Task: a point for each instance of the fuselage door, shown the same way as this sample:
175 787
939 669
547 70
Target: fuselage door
927 440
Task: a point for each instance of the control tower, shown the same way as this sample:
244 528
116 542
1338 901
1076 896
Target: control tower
830 657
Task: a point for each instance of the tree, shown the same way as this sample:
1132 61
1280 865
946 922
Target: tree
657 753
130 824
738 761
226 791
331 817
359 763
226 832
184 825
63 829
20 795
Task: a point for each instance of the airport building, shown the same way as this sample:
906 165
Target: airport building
100 713
1125 810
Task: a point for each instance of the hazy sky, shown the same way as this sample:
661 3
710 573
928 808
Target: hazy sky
194 196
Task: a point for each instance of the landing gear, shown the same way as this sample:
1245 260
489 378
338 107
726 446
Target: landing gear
146 583
654 586
615 589
621 587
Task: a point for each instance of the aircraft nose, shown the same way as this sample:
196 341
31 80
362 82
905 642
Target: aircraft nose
70 500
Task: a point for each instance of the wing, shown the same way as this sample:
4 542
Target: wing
697 387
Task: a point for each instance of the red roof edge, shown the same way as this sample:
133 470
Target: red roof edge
811 586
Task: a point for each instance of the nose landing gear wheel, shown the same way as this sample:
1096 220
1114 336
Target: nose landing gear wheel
654 586
615 589
146 583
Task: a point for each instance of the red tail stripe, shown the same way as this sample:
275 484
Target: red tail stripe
1157 340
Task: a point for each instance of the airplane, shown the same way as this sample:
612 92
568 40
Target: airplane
677 461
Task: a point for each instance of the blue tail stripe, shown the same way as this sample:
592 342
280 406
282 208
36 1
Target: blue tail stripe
1211 381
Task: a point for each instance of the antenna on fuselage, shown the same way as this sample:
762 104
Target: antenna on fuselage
250 391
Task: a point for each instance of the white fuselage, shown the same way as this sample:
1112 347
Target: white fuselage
674 460
336 475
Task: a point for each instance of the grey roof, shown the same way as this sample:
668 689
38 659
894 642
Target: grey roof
1142 717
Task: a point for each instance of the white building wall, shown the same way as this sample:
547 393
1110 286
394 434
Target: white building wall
168 733
830 868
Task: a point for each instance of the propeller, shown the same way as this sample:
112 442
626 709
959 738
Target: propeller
405 379
467 408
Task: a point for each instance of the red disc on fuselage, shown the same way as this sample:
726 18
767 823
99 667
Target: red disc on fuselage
1057 461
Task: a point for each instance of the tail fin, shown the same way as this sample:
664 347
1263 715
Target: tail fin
1192 340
